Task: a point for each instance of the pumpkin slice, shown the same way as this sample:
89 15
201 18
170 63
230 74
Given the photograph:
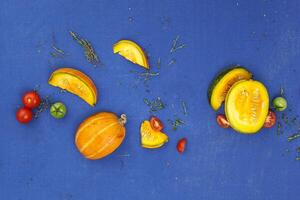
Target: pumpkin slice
151 138
222 83
75 82
247 106
132 52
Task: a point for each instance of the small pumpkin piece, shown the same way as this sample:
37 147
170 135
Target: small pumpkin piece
151 138
222 83
132 52
76 82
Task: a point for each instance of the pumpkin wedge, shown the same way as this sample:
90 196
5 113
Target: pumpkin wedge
221 84
150 138
132 52
75 82
247 106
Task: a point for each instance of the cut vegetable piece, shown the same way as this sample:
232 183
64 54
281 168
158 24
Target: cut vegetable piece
75 82
222 83
151 138
247 106
132 52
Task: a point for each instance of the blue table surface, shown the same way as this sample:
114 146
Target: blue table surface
40 160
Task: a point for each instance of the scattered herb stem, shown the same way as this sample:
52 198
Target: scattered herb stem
293 137
175 124
176 46
89 51
172 61
154 105
158 63
184 107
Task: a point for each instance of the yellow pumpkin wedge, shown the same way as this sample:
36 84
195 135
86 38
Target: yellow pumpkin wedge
247 106
75 82
221 84
100 134
151 138
132 52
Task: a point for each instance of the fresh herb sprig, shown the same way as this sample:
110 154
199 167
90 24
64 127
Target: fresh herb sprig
176 123
155 105
293 137
184 108
89 51
176 46
45 105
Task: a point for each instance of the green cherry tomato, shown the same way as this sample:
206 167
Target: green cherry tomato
279 103
58 110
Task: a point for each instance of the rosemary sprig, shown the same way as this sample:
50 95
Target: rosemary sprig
89 51
58 50
293 137
176 46
154 105
58 53
175 124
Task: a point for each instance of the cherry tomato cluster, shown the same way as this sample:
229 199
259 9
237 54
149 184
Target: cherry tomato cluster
30 100
157 125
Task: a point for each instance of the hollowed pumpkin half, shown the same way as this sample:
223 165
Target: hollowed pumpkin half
222 83
246 106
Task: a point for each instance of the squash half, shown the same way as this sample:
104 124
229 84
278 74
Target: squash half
247 106
222 83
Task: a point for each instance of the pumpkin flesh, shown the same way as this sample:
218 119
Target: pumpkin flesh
247 106
223 82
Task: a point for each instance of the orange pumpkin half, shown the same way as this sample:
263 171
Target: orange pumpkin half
100 134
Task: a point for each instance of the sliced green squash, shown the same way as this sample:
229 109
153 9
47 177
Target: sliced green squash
222 83
247 106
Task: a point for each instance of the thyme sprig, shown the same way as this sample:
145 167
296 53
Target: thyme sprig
89 51
176 46
45 105
184 108
155 105
58 52
176 123
293 137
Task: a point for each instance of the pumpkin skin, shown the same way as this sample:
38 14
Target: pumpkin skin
100 134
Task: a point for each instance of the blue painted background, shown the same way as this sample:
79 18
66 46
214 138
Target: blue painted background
40 160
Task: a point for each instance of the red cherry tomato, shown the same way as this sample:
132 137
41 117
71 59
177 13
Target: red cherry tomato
31 99
156 124
270 120
222 121
181 145
24 115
